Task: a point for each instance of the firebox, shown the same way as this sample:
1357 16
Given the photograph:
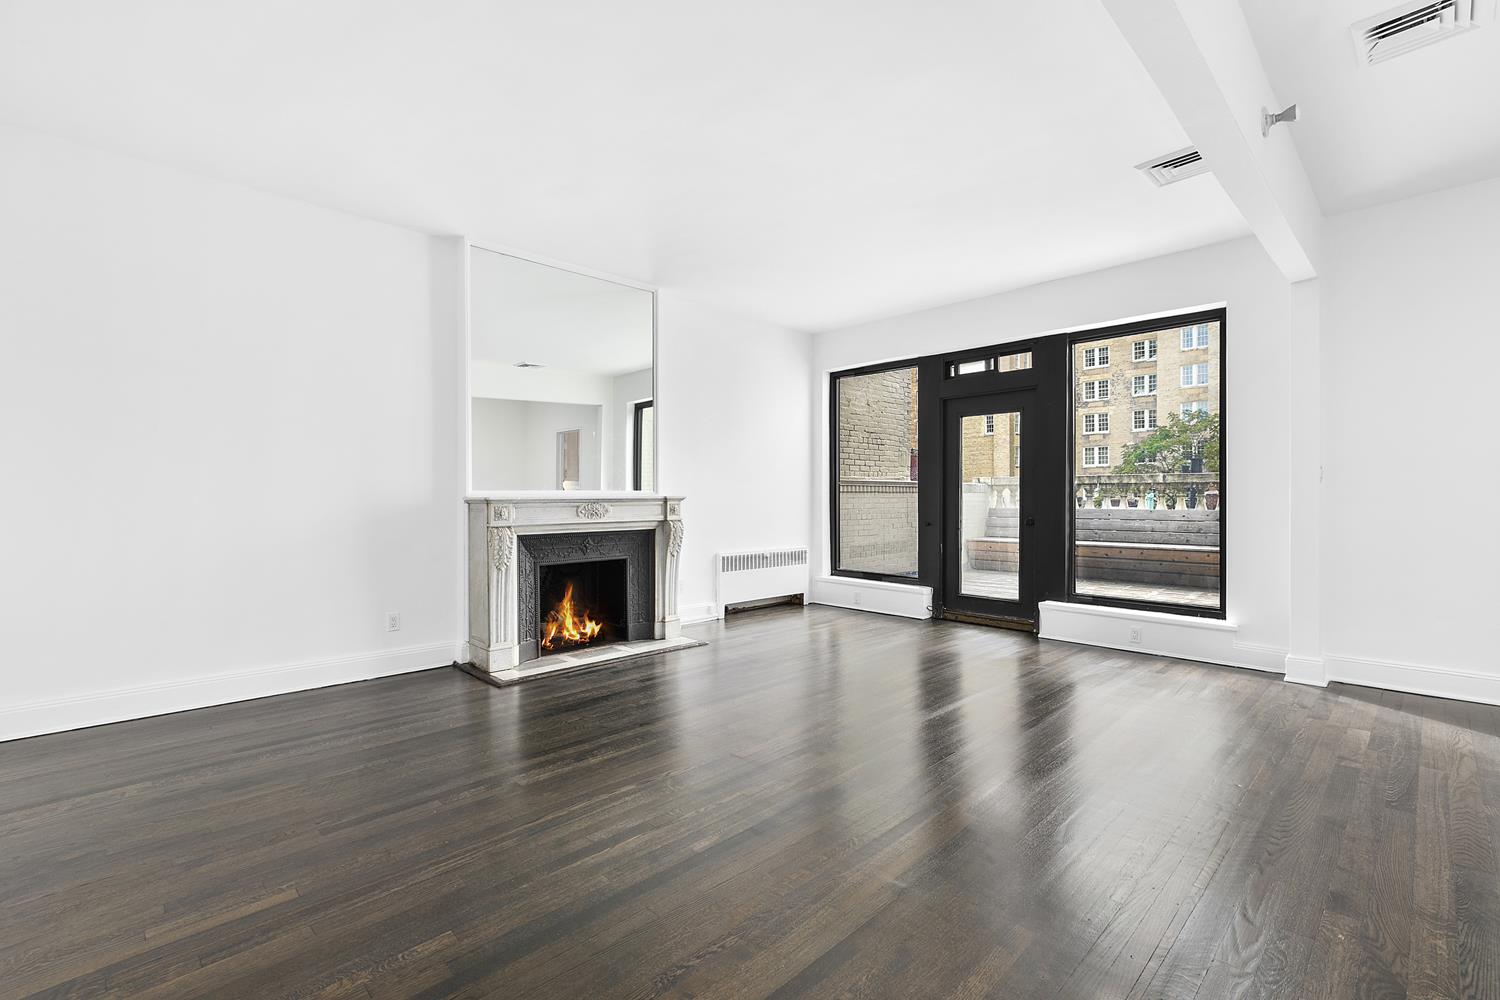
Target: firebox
584 589
582 604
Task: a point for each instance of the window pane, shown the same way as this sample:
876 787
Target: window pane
990 515
1147 496
876 446
646 435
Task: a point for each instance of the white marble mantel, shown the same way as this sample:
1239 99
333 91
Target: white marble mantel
497 520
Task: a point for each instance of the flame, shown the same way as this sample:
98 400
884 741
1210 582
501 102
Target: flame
565 626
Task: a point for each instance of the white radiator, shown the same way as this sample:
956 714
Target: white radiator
758 575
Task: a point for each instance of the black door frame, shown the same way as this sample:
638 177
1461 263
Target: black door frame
1020 401
1044 457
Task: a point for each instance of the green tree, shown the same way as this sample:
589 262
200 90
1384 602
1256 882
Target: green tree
1173 445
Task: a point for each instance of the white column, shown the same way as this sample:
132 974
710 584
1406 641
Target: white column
1304 661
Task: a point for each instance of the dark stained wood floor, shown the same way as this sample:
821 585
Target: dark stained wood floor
819 803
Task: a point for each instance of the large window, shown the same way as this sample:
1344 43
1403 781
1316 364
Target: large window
875 468
1148 498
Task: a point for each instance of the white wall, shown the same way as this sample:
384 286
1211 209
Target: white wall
544 421
733 407
1411 292
228 428
515 444
1237 274
497 431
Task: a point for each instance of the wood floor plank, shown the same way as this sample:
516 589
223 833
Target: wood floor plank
818 803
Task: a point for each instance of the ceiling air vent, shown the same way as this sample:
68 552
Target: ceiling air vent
1409 27
1174 167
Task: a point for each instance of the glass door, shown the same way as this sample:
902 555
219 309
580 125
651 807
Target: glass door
987 513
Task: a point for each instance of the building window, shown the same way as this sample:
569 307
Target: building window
1193 375
875 463
1159 482
1195 338
1096 389
643 454
1096 357
989 423
1096 423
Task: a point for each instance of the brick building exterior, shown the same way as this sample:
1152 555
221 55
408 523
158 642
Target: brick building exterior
877 441
1125 387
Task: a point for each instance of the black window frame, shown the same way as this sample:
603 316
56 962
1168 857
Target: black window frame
637 426
1137 327
833 475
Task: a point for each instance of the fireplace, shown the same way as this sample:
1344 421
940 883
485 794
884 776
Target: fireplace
619 552
607 575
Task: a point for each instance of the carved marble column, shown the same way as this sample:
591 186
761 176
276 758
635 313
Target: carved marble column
492 587
668 556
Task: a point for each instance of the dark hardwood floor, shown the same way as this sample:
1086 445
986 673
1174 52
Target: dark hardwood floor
819 803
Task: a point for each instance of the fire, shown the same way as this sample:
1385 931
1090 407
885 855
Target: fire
565 626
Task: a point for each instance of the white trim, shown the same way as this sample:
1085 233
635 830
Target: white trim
697 614
1306 670
1413 678
901 599
123 704
1208 640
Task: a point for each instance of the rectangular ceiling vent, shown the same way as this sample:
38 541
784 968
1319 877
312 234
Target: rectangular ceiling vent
1174 167
1409 27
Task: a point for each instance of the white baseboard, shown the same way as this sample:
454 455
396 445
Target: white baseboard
696 614
901 599
1439 682
1306 670
1208 640
121 704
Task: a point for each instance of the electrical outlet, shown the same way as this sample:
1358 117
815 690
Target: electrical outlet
1135 637
393 621
858 598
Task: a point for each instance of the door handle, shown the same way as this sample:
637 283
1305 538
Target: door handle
1031 522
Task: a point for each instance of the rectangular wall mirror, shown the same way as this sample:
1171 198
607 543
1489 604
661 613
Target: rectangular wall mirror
561 378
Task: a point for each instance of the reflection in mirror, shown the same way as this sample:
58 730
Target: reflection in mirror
560 379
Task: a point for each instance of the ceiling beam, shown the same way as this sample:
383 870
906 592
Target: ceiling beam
1203 60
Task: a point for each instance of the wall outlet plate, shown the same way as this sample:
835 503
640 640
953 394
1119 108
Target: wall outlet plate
1135 637
393 621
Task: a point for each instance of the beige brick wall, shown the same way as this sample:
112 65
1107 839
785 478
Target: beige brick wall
1121 405
877 431
877 424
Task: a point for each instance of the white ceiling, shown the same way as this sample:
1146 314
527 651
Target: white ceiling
815 163
1421 122
524 311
